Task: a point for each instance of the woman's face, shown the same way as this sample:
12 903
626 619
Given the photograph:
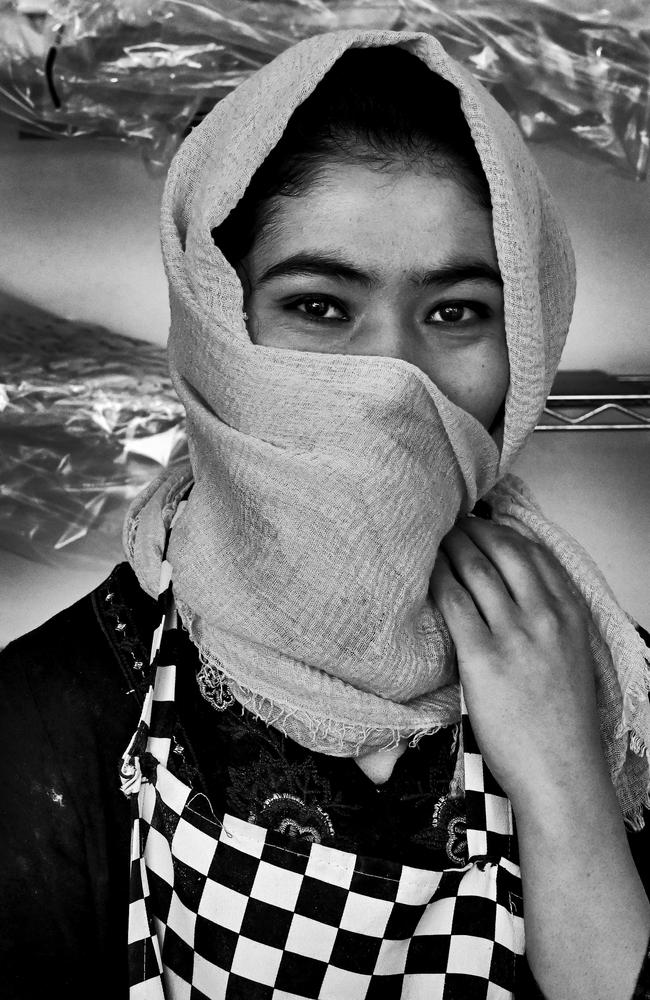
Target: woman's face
399 265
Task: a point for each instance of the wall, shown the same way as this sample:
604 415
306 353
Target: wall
597 486
78 235
609 221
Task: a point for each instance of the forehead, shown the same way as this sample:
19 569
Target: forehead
386 221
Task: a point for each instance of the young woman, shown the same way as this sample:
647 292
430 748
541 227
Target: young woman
370 289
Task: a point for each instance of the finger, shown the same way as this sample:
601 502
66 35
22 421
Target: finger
480 577
520 563
555 576
537 560
465 624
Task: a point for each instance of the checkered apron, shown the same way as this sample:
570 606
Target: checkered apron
223 909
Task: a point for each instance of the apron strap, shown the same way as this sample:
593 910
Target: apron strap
154 732
490 823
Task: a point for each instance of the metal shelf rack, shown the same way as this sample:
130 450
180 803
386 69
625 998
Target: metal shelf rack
596 401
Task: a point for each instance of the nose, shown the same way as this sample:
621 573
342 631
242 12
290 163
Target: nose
387 334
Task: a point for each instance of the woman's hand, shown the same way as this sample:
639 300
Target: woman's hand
521 636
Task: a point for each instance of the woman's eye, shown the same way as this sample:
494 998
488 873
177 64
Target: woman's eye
319 307
459 313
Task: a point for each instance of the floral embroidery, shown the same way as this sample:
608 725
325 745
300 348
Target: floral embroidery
447 829
289 815
295 806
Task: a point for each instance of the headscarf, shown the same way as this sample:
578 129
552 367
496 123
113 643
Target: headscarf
324 483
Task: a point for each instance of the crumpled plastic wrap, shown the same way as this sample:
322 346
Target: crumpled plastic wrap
87 418
146 70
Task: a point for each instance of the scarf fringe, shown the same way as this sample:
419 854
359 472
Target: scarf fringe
637 746
217 689
635 699
634 819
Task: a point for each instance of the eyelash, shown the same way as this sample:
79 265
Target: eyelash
481 309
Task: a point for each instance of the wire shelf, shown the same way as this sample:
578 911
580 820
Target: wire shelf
628 412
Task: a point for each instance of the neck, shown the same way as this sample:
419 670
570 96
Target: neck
378 764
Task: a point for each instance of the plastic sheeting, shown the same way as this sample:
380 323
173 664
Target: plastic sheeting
146 71
87 418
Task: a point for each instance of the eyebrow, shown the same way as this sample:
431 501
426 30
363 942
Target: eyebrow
450 272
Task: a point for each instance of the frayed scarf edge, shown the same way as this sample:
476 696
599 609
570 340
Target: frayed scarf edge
349 738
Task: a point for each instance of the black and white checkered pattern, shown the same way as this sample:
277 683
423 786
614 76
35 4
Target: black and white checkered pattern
227 910
490 824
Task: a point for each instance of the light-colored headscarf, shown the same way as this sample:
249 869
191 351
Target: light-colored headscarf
324 483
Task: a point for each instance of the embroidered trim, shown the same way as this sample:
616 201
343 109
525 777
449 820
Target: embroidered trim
115 617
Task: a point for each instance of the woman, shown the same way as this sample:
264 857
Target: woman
370 289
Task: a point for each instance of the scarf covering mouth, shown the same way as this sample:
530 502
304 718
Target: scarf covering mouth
322 484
